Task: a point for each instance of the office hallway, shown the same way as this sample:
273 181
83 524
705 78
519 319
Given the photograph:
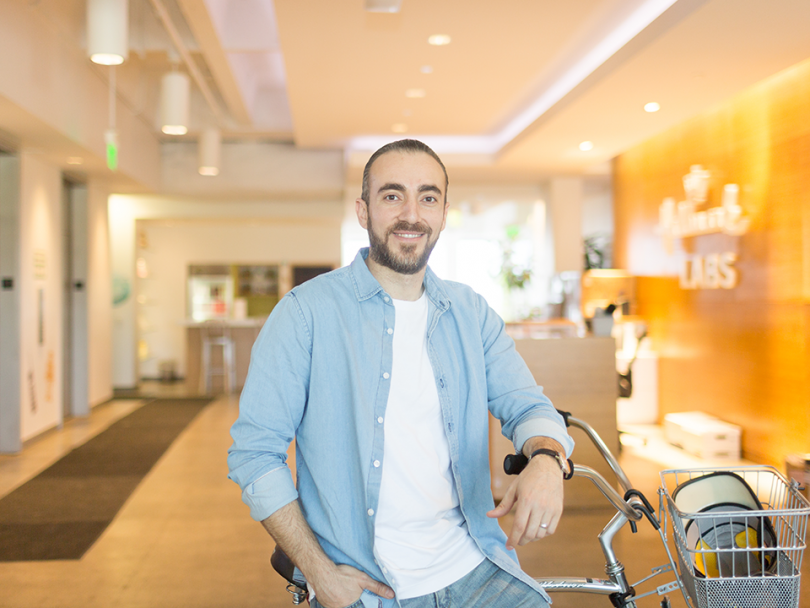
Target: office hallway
185 539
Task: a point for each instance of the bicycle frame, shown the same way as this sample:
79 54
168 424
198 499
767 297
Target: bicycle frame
632 509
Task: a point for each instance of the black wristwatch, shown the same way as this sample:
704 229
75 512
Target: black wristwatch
561 461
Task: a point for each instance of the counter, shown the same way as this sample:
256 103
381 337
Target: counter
242 331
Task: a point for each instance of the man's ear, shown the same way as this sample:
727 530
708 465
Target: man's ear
361 209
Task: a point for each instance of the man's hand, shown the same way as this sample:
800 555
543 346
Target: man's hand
537 494
343 585
336 586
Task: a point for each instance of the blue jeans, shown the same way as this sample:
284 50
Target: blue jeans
487 586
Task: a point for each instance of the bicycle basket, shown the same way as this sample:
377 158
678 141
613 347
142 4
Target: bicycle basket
727 526
739 535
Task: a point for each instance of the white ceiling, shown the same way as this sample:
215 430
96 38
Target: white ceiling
522 83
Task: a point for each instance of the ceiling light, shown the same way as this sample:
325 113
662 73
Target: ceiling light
399 127
208 150
415 93
586 146
174 98
439 39
108 31
652 107
383 6
426 69
75 160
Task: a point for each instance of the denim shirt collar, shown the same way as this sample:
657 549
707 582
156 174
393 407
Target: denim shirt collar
366 286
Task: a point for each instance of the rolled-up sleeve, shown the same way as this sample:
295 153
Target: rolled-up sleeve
514 396
270 410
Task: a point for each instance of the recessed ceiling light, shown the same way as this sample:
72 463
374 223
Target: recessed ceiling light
383 6
399 127
586 146
426 69
652 106
439 39
415 93
208 171
75 160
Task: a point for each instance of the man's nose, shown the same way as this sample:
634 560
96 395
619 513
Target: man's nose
410 210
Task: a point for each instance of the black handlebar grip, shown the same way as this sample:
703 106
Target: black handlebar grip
565 416
513 464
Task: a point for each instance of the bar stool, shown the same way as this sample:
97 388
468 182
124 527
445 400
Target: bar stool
215 334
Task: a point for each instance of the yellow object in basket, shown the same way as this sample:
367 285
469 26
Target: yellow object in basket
706 556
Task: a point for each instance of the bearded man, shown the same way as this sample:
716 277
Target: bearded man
385 376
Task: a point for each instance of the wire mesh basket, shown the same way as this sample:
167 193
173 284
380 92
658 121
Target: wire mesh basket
739 534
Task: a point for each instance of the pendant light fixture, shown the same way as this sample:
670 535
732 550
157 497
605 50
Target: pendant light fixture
174 102
108 31
208 149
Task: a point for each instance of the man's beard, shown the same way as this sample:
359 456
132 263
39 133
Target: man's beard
407 262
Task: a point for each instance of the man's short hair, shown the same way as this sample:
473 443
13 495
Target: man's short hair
403 145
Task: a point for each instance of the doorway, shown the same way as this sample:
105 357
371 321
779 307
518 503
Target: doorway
10 431
74 315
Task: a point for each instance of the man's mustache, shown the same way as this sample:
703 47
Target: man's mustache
406 227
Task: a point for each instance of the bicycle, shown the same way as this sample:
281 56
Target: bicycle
746 573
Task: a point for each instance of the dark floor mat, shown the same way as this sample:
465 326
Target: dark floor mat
61 512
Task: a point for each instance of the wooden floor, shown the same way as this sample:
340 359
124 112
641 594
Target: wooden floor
185 539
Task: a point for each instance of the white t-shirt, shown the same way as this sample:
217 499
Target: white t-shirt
421 537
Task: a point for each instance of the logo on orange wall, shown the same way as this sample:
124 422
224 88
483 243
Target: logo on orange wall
683 220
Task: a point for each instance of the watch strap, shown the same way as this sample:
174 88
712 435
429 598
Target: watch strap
568 471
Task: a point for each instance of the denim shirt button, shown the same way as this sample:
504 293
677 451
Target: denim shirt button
386 375
370 512
390 331
376 464
386 299
380 419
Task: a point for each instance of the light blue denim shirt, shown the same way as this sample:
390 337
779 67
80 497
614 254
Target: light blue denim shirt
320 373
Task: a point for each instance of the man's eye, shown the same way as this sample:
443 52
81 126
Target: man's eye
391 197
430 199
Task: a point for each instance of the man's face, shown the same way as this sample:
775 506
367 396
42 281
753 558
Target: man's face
406 210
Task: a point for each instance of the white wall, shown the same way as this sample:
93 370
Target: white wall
99 295
565 198
41 280
597 206
122 212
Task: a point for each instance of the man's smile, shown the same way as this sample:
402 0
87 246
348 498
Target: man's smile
409 235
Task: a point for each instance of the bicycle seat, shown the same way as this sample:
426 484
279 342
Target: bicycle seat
283 565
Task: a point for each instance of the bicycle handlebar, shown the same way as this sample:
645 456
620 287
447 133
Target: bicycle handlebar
633 504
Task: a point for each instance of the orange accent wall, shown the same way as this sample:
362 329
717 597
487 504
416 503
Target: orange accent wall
740 354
